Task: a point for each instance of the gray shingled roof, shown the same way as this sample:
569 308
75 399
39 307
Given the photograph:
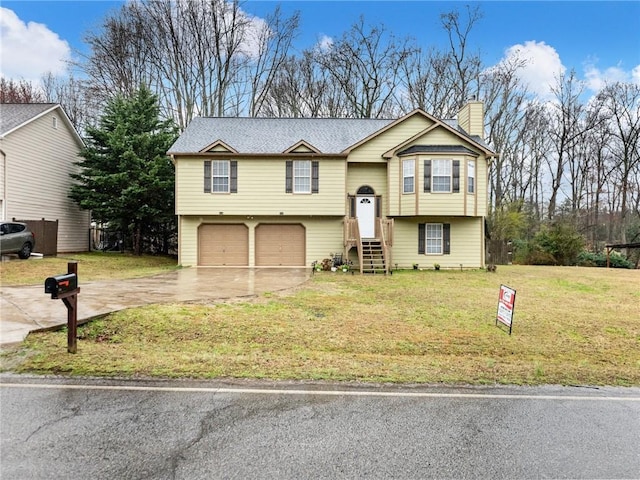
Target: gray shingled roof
13 115
276 135
438 149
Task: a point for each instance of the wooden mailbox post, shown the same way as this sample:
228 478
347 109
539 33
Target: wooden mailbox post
65 288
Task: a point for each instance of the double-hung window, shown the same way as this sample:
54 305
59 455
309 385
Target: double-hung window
302 176
408 176
441 176
220 176
434 238
471 177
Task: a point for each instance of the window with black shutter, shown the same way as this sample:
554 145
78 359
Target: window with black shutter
446 238
456 176
289 177
234 177
207 176
302 176
427 176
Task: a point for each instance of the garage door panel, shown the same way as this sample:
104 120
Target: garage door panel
280 245
223 245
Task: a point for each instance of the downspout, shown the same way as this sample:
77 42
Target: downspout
4 186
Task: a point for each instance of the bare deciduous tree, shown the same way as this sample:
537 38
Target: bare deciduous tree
364 63
19 91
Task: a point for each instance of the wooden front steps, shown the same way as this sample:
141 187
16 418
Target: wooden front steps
373 261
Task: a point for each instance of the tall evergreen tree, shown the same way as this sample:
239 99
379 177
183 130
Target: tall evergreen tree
126 179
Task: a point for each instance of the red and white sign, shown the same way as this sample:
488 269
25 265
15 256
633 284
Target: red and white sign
506 304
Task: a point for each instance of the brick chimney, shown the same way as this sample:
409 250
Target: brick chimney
471 117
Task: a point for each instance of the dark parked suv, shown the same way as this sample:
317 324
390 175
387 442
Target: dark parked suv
16 238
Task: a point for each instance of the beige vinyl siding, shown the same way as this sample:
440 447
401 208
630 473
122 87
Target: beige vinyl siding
39 160
323 235
372 150
466 243
482 186
372 174
422 203
261 189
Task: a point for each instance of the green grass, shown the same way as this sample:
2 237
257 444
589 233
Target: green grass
571 326
91 266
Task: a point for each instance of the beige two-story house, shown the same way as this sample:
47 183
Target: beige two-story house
38 150
265 192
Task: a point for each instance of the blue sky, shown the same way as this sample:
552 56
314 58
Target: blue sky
600 40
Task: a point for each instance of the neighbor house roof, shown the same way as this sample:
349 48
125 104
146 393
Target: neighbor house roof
275 135
14 115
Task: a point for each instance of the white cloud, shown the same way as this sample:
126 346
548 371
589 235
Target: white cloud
29 50
324 43
635 75
542 66
596 79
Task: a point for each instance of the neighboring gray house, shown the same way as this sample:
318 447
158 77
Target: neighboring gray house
38 148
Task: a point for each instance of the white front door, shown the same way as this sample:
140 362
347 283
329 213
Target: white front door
366 213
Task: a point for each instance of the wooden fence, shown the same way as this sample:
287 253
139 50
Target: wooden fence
46 233
499 252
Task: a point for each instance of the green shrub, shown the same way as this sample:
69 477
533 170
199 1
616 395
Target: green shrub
616 260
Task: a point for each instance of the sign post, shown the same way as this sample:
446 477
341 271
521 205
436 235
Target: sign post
506 305
65 288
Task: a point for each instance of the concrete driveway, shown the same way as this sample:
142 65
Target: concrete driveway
25 309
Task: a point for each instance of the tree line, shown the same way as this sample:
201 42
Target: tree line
568 164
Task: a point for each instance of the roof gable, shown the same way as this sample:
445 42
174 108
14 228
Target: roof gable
219 146
14 116
302 147
446 125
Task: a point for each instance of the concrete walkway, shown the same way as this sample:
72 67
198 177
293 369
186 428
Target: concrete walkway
25 309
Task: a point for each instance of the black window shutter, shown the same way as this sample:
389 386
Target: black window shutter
352 207
207 176
378 207
446 238
233 186
427 176
289 180
456 176
315 175
421 237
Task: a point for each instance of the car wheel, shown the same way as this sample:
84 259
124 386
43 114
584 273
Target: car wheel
25 251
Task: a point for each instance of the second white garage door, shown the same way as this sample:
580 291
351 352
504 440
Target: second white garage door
280 245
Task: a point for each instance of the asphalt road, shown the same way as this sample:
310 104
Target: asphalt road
52 428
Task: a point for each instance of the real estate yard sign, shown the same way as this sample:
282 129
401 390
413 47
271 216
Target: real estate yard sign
506 304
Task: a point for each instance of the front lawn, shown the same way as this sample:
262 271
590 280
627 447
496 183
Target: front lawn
91 266
571 326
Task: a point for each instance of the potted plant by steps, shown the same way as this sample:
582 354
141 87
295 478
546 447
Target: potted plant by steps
436 266
345 268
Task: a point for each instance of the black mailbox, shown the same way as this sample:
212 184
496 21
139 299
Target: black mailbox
61 284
